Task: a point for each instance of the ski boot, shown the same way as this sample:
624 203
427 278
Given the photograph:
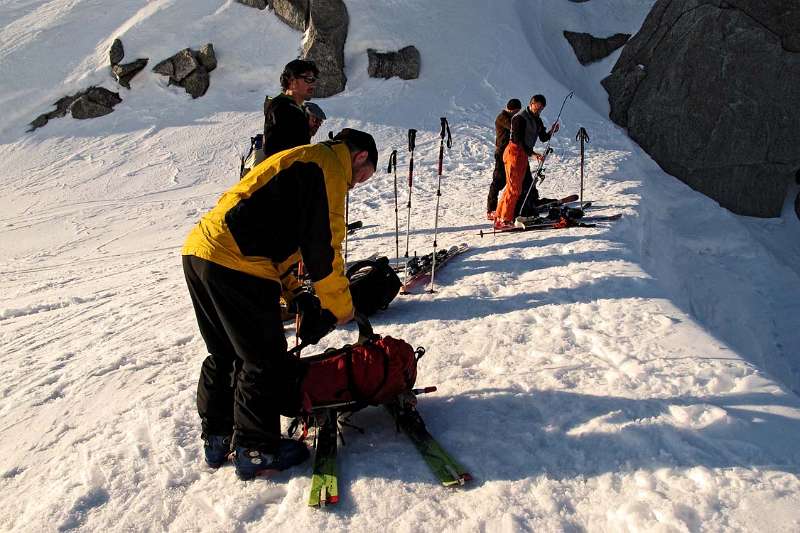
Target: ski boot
217 449
250 462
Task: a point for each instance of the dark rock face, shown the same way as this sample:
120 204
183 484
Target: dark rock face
589 48
116 53
84 107
295 13
124 73
91 103
258 4
327 32
196 83
207 57
183 64
189 69
709 89
404 63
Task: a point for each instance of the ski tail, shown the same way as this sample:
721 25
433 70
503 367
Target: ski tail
324 479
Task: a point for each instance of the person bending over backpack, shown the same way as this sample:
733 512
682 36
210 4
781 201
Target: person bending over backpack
236 262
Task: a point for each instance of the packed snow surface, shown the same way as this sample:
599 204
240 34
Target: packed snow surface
641 375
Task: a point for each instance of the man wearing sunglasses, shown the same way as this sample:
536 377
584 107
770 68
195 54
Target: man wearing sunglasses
285 118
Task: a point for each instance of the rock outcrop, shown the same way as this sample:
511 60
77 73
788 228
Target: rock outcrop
589 48
295 13
404 63
324 44
90 103
258 4
190 69
123 73
709 89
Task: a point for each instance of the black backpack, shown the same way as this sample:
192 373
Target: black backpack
373 285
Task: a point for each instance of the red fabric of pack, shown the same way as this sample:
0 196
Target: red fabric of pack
369 374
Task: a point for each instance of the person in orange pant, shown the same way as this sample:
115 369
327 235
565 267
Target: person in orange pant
526 127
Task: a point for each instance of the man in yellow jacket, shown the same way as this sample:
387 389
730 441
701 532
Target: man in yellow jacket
237 263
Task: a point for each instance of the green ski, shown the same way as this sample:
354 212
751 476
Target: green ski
324 483
449 472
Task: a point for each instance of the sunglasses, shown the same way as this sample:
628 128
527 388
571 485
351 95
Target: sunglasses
308 79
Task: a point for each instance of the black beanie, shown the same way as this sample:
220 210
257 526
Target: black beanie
359 140
514 104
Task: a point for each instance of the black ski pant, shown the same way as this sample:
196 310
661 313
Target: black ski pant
498 182
529 207
248 374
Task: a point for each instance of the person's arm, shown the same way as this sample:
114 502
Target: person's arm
321 230
545 135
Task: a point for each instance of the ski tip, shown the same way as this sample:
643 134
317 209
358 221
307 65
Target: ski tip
459 481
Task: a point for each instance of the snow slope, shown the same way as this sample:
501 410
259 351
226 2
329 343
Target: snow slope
634 376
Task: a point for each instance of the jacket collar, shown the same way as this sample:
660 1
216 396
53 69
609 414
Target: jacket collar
342 153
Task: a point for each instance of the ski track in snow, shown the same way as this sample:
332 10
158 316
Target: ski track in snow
633 376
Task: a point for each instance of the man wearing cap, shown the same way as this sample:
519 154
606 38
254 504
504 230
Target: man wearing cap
502 133
285 118
237 261
316 116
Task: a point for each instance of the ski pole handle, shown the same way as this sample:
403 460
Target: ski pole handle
412 139
445 129
392 162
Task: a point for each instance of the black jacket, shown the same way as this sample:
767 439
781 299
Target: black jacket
526 128
502 130
285 125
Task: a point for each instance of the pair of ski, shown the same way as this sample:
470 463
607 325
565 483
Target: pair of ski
418 269
324 480
538 223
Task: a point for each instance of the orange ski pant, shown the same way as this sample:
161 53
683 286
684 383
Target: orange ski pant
516 163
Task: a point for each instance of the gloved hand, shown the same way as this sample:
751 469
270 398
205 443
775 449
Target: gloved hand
315 324
304 301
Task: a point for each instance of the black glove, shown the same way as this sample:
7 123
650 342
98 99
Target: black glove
303 302
315 324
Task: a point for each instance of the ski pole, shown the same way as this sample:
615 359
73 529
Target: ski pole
297 346
539 174
346 217
412 138
393 167
445 127
583 137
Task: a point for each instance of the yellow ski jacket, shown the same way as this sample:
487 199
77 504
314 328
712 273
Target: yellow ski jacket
289 207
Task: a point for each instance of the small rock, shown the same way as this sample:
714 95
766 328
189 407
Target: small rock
165 68
184 64
103 96
124 73
207 57
196 83
84 108
404 63
39 121
116 53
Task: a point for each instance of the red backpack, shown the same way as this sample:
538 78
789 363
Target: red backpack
370 373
